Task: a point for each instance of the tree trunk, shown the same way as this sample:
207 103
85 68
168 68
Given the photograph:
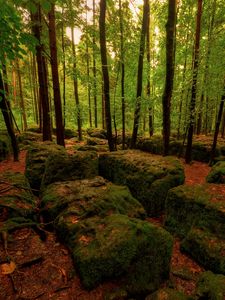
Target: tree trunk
140 73
223 126
168 91
88 72
94 70
194 84
105 74
42 76
75 84
64 72
22 105
55 78
8 120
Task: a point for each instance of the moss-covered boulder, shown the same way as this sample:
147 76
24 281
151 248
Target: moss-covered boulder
153 145
206 248
217 173
5 146
168 294
97 148
211 286
96 141
29 137
118 246
148 177
16 198
62 166
97 133
81 199
35 162
200 205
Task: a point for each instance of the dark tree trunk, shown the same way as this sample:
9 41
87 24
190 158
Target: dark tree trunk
75 84
88 72
105 74
140 74
55 78
8 120
42 76
94 70
194 84
22 105
168 91
223 126
64 72
217 127
123 107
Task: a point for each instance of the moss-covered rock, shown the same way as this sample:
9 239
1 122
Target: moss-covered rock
29 137
148 177
217 173
119 246
206 248
62 166
5 146
200 205
16 198
97 133
168 294
211 286
81 199
97 148
96 141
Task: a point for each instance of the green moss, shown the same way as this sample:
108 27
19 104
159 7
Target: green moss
5 146
18 199
149 178
63 166
168 294
217 173
200 205
35 162
115 246
206 248
97 133
211 286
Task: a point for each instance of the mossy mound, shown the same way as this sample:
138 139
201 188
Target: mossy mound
115 246
68 133
211 286
96 141
29 137
5 146
217 173
81 199
16 198
206 248
168 294
200 205
148 177
97 133
62 166
35 161
97 148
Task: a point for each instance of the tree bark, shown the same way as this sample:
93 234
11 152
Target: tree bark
94 70
105 73
194 84
55 78
168 91
88 72
64 71
22 105
140 74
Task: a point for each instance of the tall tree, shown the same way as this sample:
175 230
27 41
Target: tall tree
168 90
105 74
22 104
94 68
55 77
140 73
194 84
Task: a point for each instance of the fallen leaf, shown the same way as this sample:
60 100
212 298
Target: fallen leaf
8 268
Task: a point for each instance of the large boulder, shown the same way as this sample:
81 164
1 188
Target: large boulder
97 133
211 286
81 199
117 246
16 198
35 162
199 205
62 166
217 173
148 177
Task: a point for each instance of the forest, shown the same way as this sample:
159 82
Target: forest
112 149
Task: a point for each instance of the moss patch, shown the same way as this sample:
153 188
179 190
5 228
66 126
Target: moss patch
148 177
217 173
5 146
168 294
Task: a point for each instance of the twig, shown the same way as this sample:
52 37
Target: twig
32 262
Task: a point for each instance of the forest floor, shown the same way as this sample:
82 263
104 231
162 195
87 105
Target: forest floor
44 269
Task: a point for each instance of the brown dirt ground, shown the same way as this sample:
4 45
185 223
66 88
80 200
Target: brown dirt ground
44 269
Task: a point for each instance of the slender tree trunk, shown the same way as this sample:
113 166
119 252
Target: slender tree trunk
194 84
94 70
123 106
140 74
55 78
22 105
75 84
168 91
42 76
105 73
64 71
88 72
223 126
8 120
217 127
103 105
